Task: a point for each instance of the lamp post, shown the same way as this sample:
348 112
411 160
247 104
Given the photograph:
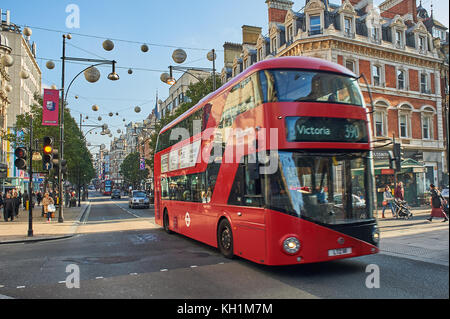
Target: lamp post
92 76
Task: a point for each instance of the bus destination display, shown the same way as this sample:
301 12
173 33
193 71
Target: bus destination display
315 129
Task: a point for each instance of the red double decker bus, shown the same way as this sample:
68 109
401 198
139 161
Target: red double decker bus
274 167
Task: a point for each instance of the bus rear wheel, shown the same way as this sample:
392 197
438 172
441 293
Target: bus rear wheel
225 239
166 222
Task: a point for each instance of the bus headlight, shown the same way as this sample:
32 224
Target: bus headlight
376 235
291 245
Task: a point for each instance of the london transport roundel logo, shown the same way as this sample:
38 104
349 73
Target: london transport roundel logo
187 219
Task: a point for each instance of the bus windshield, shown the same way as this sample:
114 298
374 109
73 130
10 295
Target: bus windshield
309 86
328 189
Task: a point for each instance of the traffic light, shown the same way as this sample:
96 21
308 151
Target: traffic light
398 156
63 166
47 157
21 158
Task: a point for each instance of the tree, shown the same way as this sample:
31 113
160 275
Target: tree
76 153
195 93
131 172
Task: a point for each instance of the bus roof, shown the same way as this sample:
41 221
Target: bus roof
297 62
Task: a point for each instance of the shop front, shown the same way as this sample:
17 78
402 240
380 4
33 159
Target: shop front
412 175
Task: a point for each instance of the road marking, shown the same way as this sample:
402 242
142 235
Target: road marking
100 277
62 282
194 266
162 270
20 287
126 210
133 274
1 286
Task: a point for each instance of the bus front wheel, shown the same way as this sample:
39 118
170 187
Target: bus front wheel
225 239
166 222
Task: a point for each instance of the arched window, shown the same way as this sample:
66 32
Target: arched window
380 119
427 123
404 121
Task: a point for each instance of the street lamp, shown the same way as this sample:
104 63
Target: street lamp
92 75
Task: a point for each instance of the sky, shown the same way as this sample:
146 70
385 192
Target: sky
197 26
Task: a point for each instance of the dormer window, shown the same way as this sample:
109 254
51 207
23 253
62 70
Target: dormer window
290 34
273 45
399 43
315 25
348 26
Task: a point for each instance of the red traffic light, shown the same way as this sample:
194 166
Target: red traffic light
20 153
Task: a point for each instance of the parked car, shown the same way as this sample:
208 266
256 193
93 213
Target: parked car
139 199
115 194
356 201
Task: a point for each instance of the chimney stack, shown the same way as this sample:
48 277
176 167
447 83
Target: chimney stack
278 10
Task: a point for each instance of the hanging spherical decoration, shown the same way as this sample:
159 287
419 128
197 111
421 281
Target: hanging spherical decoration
117 113
54 87
111 114
27 32
144 48
130 71
95 108
179 56
108 45
99 118
137 109
92 74
211 56
50 65
124 120
7 60
8 88
119 131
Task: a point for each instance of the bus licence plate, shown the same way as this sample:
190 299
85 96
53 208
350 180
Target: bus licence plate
339 252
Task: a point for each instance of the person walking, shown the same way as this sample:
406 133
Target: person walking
17 202
25 199
39 198
399 192
46 202
387 201
437 204
8 208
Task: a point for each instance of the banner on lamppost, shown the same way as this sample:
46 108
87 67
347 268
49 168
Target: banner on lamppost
50 108
142 164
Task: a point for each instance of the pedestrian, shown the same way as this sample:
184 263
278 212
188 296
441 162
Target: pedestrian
437 204
399 192
8 208
25 199
387 200
46 202
17 203
39 198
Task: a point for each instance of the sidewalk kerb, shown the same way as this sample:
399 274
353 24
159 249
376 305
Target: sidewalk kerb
73 231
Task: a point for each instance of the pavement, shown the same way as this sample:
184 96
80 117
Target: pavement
17 231
415 238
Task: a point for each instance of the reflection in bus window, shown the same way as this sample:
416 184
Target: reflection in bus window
307 86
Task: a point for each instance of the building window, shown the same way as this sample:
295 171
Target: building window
315 25
376 74
423 83
422 44
260 54
273 44
375 34
403 119
401 79
379 123
290 34
399 43
349 64
348 27
426 127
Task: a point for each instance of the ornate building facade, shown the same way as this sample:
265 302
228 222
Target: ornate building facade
394 48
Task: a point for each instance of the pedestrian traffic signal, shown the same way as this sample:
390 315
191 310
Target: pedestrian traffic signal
47 158
21 158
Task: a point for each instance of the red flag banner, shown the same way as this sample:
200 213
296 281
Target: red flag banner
50 109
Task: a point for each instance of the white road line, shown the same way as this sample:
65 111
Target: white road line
126 210
100 277
1 286
162 270
20 287
62 282
194 266
133 274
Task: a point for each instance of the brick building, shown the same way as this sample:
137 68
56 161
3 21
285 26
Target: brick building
395 47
